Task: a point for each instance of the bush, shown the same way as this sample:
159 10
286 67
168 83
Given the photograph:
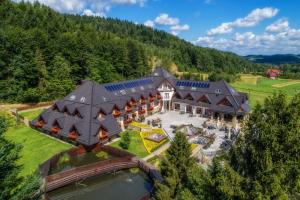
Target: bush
125 140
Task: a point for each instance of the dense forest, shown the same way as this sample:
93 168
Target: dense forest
44 54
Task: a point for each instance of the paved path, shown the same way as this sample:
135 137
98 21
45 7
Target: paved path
158 151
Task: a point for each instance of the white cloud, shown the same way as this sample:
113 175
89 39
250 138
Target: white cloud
278 26
94 7
275 42
222 29
175 30
252 19
165 20
89 12
149 23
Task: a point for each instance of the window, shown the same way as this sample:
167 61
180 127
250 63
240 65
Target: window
167 95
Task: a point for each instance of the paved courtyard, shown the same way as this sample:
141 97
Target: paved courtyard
175 118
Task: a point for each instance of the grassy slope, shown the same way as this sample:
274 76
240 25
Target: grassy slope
37 147
259 88
136 145
32 114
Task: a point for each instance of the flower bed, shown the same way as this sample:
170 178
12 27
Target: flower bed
151 145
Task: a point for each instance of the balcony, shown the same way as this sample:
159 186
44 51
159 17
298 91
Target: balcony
103 136
133 103
73 135
55 129
150 108
40 124
151 99
128 110
116 113
127 121
141 112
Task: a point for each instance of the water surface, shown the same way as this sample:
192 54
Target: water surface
124 185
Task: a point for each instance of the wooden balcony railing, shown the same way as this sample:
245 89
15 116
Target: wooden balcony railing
55 130
133 103
128 110
40 124
151 99
103 136
116 113
73 135
150 108
141 112
127 121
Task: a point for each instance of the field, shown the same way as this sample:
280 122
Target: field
37 147
259 87
32 114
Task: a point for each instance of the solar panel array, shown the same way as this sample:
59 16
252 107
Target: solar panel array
192 84
128 85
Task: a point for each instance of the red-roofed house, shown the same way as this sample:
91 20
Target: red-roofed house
273 73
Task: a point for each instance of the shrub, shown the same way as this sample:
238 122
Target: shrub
125 140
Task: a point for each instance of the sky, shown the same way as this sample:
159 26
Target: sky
240 26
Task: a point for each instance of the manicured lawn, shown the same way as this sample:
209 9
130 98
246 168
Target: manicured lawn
136 144
259 87
31 114
37 147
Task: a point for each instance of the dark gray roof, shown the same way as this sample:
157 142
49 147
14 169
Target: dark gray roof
90 98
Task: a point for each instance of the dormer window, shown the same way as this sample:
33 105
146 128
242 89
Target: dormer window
40 123
73 134
218 91
65 111
224 102
55 108
55 128
189 97
204 99
77 113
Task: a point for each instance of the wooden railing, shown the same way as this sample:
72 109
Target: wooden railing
66 177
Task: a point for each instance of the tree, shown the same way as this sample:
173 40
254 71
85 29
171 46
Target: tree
9 154
125 140
268 154
174 167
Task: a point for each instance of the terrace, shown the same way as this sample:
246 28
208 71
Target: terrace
216 134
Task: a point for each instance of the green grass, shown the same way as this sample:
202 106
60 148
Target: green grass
31 114
37 147
136 144
264 87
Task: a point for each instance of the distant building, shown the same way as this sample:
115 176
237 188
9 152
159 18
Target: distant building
95 113
273 73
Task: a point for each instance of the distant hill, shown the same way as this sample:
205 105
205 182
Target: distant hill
277 59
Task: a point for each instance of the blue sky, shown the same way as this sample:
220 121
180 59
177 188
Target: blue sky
242 26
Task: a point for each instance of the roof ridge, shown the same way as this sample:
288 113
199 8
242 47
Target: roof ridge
227 87
91 112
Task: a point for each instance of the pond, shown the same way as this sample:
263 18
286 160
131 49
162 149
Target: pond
67 162
126 184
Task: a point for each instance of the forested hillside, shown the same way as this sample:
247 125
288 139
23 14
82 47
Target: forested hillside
44 54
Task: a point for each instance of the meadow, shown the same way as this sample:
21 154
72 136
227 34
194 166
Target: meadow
258 87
